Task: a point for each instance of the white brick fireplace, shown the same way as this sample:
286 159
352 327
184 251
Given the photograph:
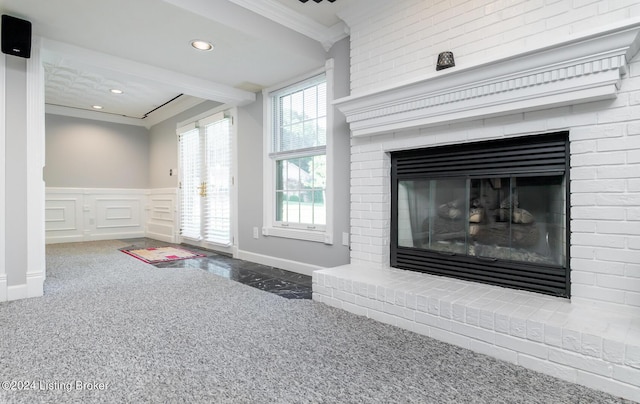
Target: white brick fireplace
587 84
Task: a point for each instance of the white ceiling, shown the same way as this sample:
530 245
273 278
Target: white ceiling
142 47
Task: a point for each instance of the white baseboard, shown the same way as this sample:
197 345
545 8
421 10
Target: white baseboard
33 288
17 292
116 236
95 237
35 284
161 237
64 239
293 266
3 288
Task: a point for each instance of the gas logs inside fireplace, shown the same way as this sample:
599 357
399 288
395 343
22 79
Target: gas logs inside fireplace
494 229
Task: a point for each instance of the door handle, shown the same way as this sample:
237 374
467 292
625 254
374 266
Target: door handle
202 189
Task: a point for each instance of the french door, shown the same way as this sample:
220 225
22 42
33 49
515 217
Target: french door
206 182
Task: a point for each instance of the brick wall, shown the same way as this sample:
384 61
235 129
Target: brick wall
399 41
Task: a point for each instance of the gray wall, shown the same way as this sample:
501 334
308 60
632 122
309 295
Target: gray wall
250 145
163 147
341 54
16 171
83 153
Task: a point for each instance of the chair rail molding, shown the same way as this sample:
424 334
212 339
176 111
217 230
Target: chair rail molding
578 70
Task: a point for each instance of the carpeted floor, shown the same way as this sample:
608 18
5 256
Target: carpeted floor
168 335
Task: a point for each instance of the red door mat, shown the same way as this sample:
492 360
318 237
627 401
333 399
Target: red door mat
161 254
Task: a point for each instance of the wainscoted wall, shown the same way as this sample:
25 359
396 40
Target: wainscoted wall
161 220
87 214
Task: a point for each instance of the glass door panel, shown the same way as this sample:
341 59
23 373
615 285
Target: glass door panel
448 217
190 184
490 212
217 142
431 215
501 218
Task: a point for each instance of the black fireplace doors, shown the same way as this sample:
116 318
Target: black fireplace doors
493 212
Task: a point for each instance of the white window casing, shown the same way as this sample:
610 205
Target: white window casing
273 153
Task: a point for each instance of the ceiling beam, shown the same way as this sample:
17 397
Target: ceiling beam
276 12
284 15
179 82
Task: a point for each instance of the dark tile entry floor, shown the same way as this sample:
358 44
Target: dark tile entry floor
283 283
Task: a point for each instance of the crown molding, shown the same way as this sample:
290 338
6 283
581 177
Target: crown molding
93 115
289 18
167 111
334 34
579 70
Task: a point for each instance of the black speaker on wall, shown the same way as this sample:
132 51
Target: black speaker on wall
16 36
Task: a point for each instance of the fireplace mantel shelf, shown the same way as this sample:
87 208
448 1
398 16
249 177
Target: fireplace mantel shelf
583 69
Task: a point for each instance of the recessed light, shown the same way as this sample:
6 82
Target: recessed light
201 45
116 91
96 106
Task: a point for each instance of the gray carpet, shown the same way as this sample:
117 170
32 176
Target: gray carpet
183 335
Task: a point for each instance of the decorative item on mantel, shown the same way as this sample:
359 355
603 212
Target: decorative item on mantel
445 60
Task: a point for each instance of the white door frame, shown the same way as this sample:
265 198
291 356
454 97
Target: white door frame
232 249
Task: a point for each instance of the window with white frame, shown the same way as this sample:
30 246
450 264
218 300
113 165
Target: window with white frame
297 164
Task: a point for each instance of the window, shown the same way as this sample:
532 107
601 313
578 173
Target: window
297 161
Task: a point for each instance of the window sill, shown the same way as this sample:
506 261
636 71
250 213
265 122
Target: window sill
298 234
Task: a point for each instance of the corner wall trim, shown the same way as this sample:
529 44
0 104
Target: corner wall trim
3 276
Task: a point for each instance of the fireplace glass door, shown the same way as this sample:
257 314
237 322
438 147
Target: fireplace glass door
494 212
491 218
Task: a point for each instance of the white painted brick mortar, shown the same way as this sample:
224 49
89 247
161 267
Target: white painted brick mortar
473 30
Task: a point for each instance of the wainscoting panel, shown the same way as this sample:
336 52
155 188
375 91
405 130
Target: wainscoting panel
86 214
161 215
63 215
116 213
